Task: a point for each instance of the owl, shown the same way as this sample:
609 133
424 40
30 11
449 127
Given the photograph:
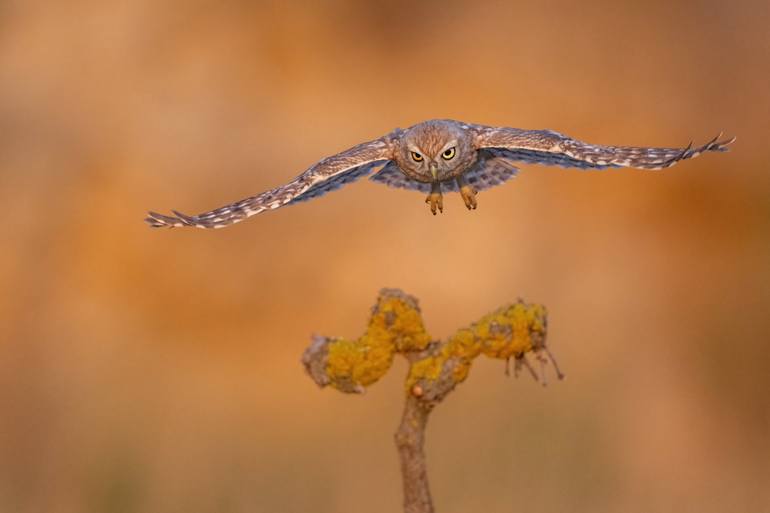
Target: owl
440 156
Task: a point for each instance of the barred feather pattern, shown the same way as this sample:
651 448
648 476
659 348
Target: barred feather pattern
233 213
328 174
336 182
552 148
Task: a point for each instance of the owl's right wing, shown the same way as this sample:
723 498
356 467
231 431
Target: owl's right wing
327 175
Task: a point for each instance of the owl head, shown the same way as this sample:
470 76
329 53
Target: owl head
435 150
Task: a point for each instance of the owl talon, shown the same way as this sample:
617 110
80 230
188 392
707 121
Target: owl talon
435 199
469 196
468 192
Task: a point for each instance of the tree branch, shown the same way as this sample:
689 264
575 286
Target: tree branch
435 367
410 439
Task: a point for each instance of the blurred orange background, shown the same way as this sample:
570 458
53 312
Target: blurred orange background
158 371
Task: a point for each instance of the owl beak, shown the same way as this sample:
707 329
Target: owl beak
434 170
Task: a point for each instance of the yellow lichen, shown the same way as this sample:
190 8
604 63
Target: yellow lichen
401 322
360 362
509 331
396 327
428 369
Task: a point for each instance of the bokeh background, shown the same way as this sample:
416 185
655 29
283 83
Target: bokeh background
158 371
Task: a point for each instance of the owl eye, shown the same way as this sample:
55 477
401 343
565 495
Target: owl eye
416 156
448 153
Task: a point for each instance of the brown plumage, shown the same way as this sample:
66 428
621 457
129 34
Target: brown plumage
438 156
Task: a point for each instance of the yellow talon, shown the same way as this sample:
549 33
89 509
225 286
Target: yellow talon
468 193
435 199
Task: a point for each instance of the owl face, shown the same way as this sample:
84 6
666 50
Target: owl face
435 151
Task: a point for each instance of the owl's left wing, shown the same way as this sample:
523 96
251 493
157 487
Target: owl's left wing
552 148
327 175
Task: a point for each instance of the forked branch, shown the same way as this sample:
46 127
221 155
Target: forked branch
435 367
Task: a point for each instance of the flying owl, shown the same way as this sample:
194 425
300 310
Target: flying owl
440 156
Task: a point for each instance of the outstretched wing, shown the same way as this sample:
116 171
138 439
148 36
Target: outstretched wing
552 148
327 175
492 168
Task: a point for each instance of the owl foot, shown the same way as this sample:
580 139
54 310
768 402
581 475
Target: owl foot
469 196
468 193
435 199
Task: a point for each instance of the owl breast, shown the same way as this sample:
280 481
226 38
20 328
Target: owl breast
446 170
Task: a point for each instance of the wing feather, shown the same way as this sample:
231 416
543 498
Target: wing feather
335 182
552 148
327 175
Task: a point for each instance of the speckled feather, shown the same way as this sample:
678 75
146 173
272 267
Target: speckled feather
489 171
552 148
483 157
328 174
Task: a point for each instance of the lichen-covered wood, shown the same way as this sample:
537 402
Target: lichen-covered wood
435 367
396 326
